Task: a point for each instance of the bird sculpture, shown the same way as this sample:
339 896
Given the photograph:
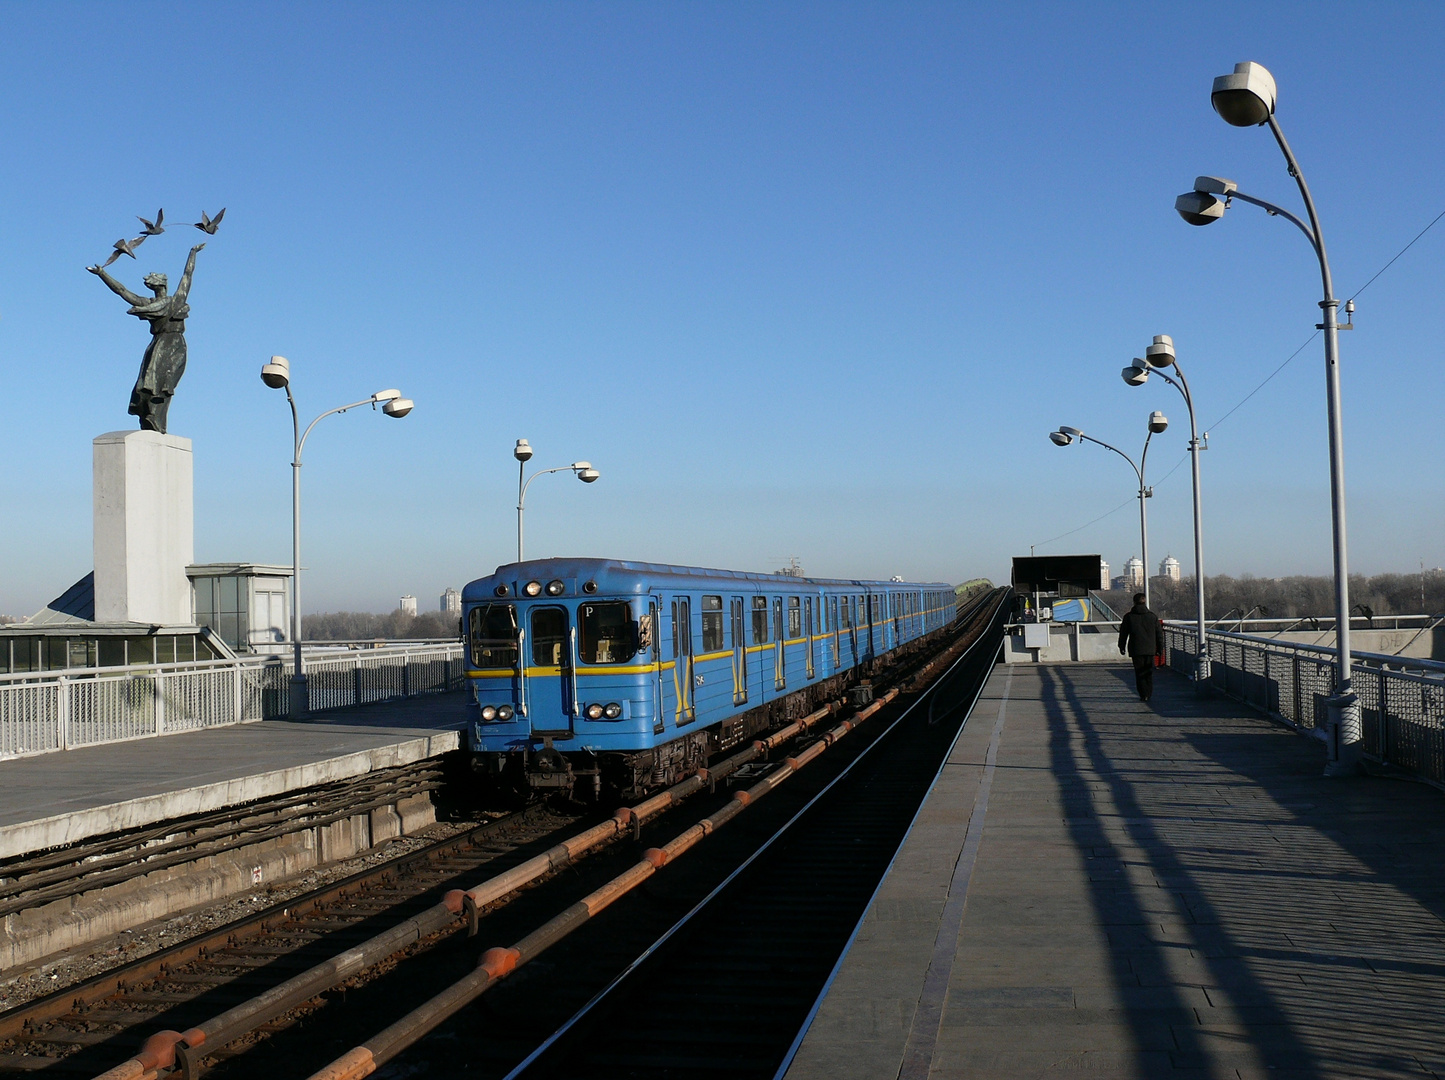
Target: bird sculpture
153 228
125 247
209 225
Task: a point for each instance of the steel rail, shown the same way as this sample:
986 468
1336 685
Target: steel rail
499 962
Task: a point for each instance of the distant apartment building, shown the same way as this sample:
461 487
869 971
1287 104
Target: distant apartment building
408 605
451 602
1134 572
1104 571
1169 568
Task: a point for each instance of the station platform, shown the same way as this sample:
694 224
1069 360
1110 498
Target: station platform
1098 886
61 798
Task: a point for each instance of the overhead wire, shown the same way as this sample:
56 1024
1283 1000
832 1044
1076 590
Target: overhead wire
1433 222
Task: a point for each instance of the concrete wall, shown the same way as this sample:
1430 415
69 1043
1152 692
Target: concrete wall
1065 644
35 934
1429 645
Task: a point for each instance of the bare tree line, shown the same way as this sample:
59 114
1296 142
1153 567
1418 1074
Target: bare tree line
1290 597
367 626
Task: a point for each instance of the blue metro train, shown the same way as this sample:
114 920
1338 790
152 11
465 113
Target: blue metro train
593 674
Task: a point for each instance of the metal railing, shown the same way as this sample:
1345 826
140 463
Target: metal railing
1402 700
42 712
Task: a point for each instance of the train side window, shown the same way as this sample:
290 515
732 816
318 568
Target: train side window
795 617
760 620
712 624
845 621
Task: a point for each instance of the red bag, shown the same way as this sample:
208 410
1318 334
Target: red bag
1159 660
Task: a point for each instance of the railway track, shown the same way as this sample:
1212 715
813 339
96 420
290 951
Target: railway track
713 966
225 987
83 1029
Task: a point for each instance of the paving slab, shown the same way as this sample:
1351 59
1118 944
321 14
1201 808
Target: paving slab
61 798
1097 886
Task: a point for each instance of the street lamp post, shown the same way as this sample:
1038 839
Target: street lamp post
1157 423
1246 98
277 375
523 453
1158 356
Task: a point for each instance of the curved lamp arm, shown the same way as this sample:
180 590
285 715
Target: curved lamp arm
1271 208
1316 236
522 495
301 442
1126 457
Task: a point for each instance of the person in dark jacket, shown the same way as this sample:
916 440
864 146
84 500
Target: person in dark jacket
1141 640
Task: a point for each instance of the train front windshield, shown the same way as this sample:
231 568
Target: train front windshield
608 634
494 636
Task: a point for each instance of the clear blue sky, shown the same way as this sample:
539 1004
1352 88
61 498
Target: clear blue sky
807 280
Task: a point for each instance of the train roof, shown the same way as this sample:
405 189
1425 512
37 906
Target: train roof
616 576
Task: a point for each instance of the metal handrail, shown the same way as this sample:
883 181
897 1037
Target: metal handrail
1382 659
1402 712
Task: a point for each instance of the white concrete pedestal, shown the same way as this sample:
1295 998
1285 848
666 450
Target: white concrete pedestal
144 528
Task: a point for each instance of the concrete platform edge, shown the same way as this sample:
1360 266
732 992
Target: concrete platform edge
58 830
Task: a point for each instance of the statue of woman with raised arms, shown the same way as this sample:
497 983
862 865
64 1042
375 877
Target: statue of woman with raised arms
165 358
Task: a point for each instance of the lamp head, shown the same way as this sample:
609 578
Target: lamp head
1137 373
398 407
1199 207
1058 438
1071 432
588 475
276 374
522 451
1246 97
1157 422
383 396
1161 353
1215 185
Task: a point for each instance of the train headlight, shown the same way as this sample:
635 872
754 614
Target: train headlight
500 590
594 712
505 713
555 588
533 588
612 711
489 713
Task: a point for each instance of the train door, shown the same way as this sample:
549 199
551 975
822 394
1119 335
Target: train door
897 619
808 631
780 669
551 683
682 658
870 607
740 652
